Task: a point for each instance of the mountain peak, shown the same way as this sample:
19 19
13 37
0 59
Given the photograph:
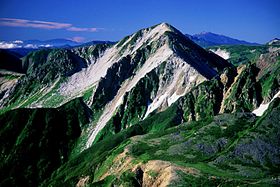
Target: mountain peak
166 25
144 36
275 41
163 27
208 34
204 32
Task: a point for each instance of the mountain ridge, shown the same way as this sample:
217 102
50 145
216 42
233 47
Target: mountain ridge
207 39
163 50
183 63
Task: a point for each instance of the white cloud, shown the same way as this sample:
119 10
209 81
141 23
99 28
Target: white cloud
31 46
18 42
47 45
6 45
12 22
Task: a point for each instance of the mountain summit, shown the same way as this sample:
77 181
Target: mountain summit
160 57
162 52
275 41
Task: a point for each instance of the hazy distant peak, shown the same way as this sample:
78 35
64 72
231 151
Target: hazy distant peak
206 39
275 41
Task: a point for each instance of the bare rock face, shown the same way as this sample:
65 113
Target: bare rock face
203 101
163 173
245 92
83 181
227 77
139 175
8 82
269 75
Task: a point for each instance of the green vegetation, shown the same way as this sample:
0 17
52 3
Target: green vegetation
37 141
43 68
245 93
90 53
10 76
88 94
199 144
152 173
242 54
10 61
112 144
270 80
134 105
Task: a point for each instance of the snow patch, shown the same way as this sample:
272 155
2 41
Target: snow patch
263 107
174 98
222 53
155 104
192 78
252 51
274 41
183 79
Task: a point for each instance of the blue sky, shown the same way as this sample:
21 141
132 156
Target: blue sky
251 20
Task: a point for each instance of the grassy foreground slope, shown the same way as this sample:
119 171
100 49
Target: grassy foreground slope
227 150
34 142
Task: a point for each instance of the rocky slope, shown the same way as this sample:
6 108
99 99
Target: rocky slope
175 63
275 41
44 71
107 75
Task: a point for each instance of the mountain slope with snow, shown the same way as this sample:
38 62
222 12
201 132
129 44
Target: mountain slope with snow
182 70
107 74
154 102
275 41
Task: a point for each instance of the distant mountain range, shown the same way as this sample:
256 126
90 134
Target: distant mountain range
22 48
94 42
207 39
34 44
37 43
204 39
